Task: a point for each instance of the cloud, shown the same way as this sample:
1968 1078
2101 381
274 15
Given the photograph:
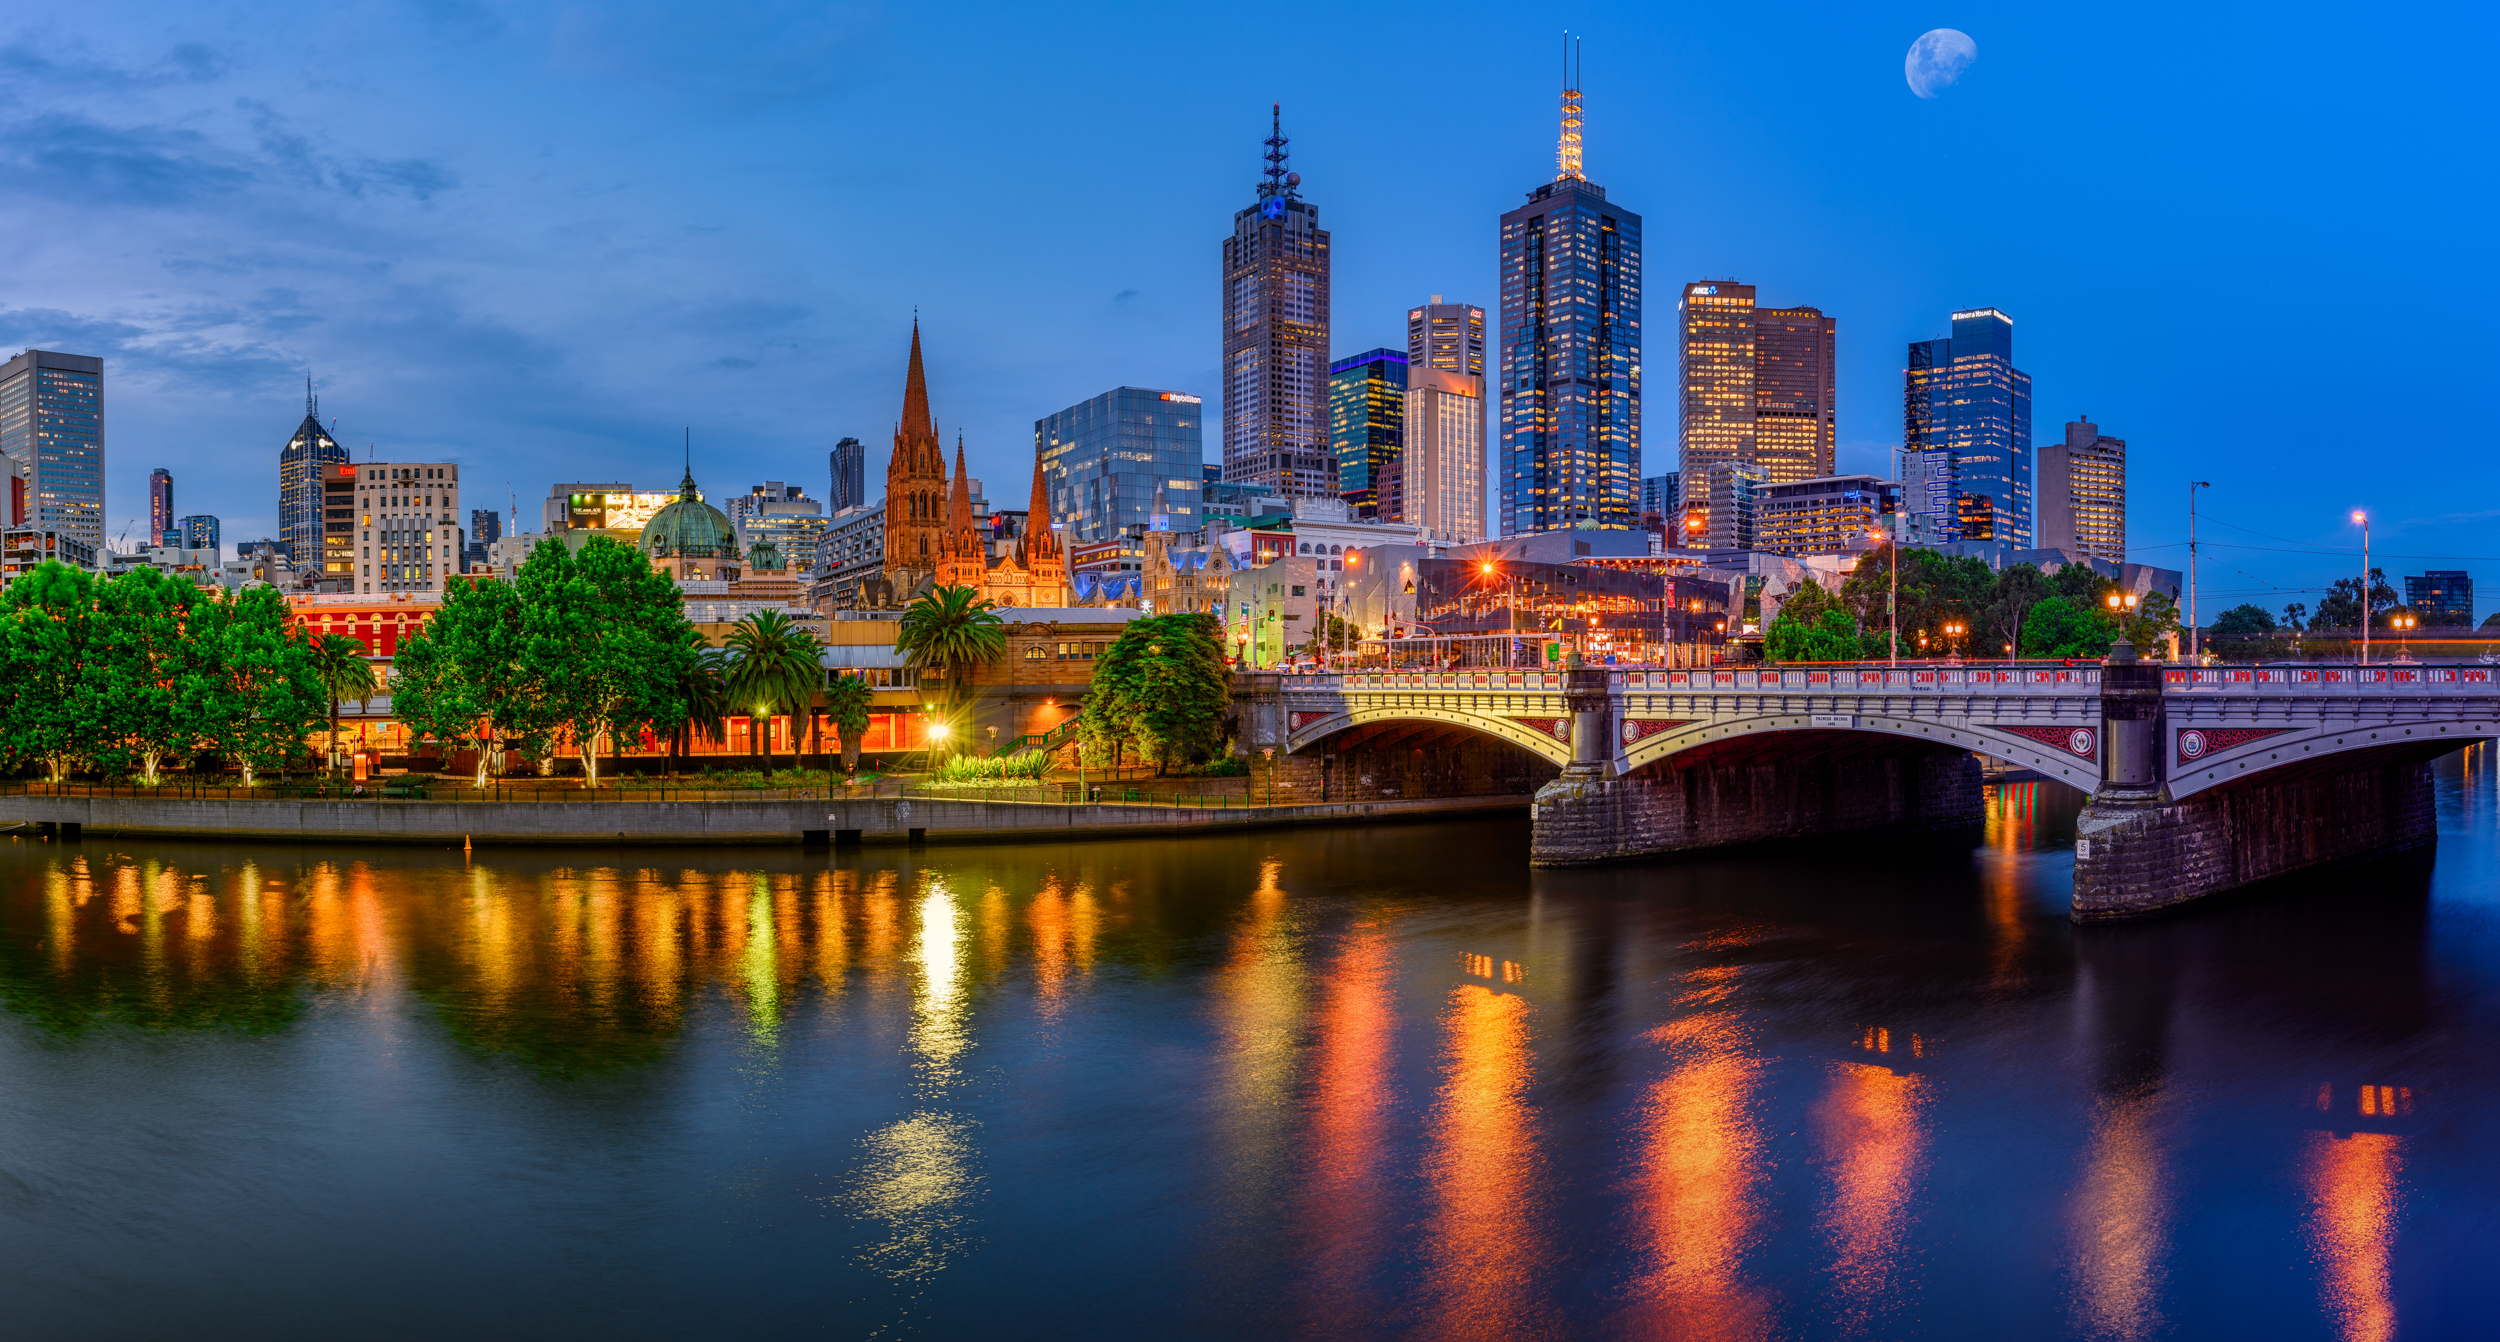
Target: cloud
73 159
1124 295
733 361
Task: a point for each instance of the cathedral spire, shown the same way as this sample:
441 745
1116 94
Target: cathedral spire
959 503
1567 153
1038 537
916 418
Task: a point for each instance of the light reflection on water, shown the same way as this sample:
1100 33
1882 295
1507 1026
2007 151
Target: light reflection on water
1379 1082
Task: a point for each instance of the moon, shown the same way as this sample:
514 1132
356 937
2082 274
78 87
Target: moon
1937 59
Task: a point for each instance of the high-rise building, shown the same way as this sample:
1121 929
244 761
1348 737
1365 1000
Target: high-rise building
781 516
850 475
406 536
1366 412
1756 384
1722 504
2083 493
1441 469
1276 338
301 494
1447 336
485 528
1103 460
160 504
2443 598
1833 515
52 425
1796 414
199 532
1571 352
1966 435
1662 505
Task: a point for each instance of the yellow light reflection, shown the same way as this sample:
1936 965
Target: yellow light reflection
920 1179
1481 1250
1874 1135
2120 1222
1259 998
2352 1187
1351 1098
1704 1173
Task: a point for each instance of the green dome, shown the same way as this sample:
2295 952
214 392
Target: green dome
689 529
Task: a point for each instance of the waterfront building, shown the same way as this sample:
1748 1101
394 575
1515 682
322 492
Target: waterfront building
1833 515
1966 435
2442 598
2083 493
198 532
304 485
1275 344
1570 371
1441 470
160 504
1757 384
850 476
1366 418
1104 460
52 425
406 530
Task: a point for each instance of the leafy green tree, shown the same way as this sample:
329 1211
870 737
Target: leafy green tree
2058 627
2151 625
2341 607
2293 616
465 679
775 666
702 699
49 703
2010 599
603 633
143 648
2081 585
1831 637
951 631
1933 588
847 700
339 662
1162 688
252 692
2243 621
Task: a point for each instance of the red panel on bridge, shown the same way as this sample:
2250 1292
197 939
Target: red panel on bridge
1636 730
2198 742
2082 742
1305 719
1558 728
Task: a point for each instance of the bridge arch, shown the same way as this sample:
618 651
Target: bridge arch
2032 748
1547 737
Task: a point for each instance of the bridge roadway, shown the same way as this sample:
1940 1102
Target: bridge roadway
2205 779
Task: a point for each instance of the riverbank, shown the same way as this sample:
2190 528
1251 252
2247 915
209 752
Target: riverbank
790 820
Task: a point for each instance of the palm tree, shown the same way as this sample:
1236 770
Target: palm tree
846 703
704 690
339 663
953 630
777 664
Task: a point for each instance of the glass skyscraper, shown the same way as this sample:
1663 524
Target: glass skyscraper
850 476
300 465
1366 412
1571 353
1966 435
52 426
1103 461
1276 339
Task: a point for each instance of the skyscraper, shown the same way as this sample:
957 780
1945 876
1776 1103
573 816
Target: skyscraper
1106 459
160 504
850 474
1366 418
198 532
1440 471
2083 494
485 528
2442 598
52 425
1662 505
1757 384
1447 336
1571 351
300 522
1276 338
1966 435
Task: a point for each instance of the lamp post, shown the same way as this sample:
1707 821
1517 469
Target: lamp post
2364 519
1953 631
1892 603
2123 604
2193 486
2403 623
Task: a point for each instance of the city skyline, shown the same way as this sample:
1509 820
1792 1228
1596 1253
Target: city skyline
382 244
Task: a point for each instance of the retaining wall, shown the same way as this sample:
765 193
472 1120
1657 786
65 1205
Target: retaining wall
1750 801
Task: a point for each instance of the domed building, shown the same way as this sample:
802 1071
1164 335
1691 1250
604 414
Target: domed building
691 540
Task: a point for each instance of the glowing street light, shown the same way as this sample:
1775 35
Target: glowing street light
2362 520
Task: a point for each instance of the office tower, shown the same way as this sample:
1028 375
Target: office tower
160 504
1447 336
1571 352
915 485
301 486
1966 435
2083 494
485 528
1366 409
198 532
1833 515
21 491
850 475
1796 416
1441 469
1721 504
1662 505
1715 386
781 516
52 425
2442 598
1757 384
330 565
406 535
1276 339
1103 459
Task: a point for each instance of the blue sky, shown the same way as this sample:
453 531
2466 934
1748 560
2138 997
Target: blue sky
542 239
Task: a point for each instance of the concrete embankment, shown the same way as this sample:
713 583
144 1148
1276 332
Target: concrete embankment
863 820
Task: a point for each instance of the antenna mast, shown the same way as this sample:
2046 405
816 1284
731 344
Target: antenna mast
1567 154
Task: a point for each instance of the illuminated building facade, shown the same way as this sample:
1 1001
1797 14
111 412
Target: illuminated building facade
1366 418
1447 336
850 475
1722 504
1662 505
2442 598
304 484
1832 515
198 532
2083 493
52 426
1105 459
407 536
1276 339
1966 435
1756 384
1796 415
915 487
1570 374
160 504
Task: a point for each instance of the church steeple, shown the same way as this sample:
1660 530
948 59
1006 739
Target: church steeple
959 502
1039 540
916 391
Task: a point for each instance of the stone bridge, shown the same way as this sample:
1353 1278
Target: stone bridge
2201 780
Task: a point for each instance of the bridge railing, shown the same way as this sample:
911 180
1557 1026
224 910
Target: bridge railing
2028 680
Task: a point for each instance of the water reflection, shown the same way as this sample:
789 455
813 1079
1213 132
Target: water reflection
919 1183
1707 1174
1481 1245
1872 1127
2351 1182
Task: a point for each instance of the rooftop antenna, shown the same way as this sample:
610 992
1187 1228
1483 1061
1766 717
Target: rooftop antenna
1567 154
312 403
1281 181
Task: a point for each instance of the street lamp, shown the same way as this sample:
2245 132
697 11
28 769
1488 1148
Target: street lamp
1892 602
2403 623
2193 486
1953 631
2364 519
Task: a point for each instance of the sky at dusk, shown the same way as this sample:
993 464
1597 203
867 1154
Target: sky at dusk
544 240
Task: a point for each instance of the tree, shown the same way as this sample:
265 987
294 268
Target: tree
1933 586
2492 621
1161 687
2081 585
2010 599
702 699
847 699
951 630
143 647
2151 625
2058 627
339 663
2341 607
602 633
49 628
2293 615
251 692
466 679
1831 636
774 664
2243 621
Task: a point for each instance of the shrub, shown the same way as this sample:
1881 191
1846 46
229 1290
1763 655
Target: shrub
1030 767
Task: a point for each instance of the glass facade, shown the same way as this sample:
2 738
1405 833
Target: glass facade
1966 434
1366 417
1276 340
52 426
2441 598
1570 375
1828 516
1104 460
302 467
198 532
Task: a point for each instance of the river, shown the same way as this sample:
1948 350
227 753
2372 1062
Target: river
1344 1082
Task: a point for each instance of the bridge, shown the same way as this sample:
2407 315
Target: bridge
2201 779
